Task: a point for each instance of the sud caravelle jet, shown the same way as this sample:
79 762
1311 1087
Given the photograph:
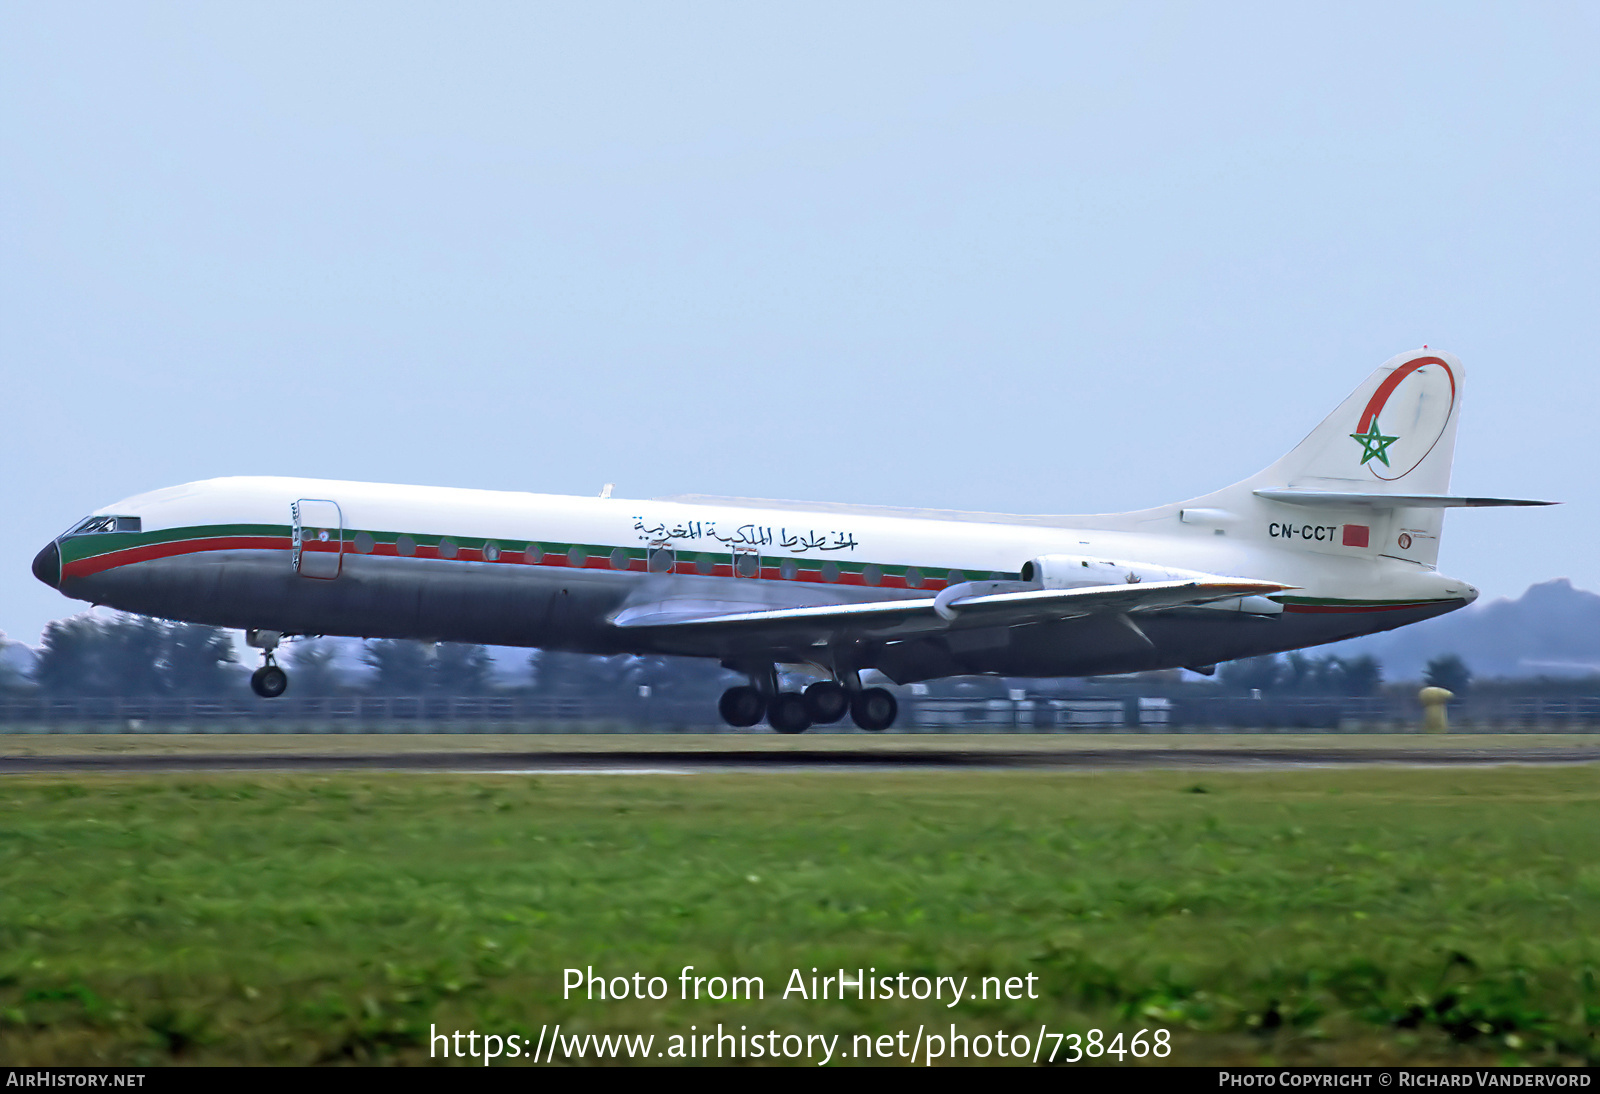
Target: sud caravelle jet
1337 539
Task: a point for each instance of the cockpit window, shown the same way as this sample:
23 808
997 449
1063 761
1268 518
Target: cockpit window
106 524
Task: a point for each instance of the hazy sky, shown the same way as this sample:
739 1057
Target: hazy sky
1047 258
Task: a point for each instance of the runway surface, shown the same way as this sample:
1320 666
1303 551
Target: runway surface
863 758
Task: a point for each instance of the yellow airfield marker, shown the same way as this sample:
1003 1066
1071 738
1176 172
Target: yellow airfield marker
1434 718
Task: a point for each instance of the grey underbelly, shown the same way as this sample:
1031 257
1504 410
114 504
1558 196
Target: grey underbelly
569 609
1101 645
426 599
371 598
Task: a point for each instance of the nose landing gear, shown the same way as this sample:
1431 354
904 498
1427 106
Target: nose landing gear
268 681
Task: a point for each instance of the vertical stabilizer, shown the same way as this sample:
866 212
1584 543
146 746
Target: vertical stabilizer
1396 434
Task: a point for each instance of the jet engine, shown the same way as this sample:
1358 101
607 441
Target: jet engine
1082 571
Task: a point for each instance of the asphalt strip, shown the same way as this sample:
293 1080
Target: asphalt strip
747 760
568 771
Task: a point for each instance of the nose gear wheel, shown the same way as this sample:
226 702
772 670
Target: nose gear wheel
269 681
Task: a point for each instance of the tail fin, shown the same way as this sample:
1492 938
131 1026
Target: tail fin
1394 436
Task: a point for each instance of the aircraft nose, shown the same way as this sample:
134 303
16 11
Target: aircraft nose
47 565
1472 593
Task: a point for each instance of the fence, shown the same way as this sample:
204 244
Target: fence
529 714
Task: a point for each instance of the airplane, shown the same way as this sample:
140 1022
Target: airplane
1339 538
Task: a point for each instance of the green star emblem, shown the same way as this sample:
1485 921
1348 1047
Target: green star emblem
1373 444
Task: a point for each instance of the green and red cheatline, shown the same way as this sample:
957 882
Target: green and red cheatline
86 555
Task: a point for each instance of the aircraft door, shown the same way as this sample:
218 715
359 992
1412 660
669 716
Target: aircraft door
317 546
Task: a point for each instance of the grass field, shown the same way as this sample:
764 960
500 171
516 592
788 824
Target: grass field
1353 916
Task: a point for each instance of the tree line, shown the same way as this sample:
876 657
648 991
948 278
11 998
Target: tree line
1298 673
136 656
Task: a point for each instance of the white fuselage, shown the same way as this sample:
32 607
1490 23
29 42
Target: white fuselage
308 556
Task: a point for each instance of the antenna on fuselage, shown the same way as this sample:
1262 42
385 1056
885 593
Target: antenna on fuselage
605 491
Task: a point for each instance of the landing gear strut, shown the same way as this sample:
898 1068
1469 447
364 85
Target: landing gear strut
785 711
268 681
823 703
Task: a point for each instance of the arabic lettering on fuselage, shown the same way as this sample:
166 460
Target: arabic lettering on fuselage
746 535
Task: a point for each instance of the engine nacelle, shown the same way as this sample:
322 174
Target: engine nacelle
1082 571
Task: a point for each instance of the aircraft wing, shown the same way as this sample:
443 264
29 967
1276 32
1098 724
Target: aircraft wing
893 619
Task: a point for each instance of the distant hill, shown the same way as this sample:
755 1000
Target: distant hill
1552 629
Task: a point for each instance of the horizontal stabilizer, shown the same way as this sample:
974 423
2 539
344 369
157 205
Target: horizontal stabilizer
900 618
1344 499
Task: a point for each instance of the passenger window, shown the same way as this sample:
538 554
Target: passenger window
788 569
913 578
955 577
406 546
619 559
577 557
534 554
830 571
447 548
872 575
705 564
491 551
365 543
661 560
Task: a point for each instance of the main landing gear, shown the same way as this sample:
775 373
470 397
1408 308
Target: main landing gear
268 681
823 703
